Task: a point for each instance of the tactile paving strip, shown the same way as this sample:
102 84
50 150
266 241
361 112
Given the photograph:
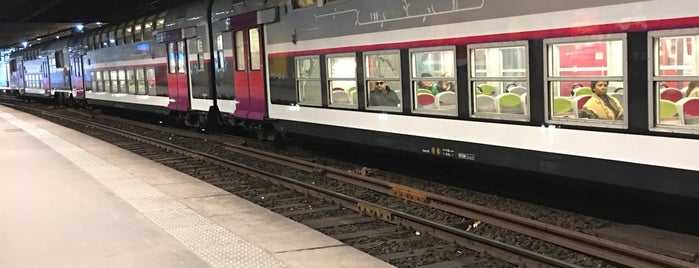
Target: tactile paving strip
208 240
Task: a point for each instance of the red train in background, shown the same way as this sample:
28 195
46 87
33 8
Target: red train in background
473 80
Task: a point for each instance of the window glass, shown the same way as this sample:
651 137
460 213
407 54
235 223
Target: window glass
499 80
148 29
239 51
171 58
200 54
120 35
676 79
255 63
105 82
114 79
382 80
128 33
138 32
150 78
342 72
181 60
131 81
308 80
122 81
141 82
582 74
220 57
96 80
433 80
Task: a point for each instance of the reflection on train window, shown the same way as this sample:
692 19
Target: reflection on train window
303 3
239 51
219 56
382 80
150 77
585 79
676 79
255 59
342 73
131 82
308 80
141 82
433 80
499 80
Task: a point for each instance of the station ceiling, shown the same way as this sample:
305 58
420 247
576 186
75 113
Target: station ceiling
22 20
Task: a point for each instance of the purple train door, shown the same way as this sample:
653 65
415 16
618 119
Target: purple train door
248 67
46 77
178 76
76 77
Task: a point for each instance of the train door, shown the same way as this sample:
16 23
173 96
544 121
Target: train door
248 67
17 73
46 76
178 75
77 76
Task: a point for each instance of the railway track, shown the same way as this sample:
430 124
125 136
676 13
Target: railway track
345 200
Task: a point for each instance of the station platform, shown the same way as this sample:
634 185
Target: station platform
70 200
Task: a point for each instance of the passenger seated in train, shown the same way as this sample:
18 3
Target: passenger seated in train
693 89
382 95
445 86
427 84
600 105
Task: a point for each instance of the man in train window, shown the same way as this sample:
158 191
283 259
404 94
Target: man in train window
382 95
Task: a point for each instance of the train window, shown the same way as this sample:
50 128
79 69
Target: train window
433 80
97 42
171 58
141 82
150 78
138 32
255 59
112 37
499 80
160 23
303 3
342 79
128 33
308 85
148 30
200 55
105 38
220 57
239 51
181 59
581 74
120 35
97 81
675 77
122 81
114 80
130 82
382 80
59 59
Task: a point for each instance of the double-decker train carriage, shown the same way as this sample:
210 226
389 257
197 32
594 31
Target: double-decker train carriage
476 80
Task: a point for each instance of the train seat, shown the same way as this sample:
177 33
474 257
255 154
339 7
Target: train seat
340 97
688 110
617 96
671 94
445 100
582 91
486 89
667 111
509 103
519 90
485 103
353 95
425 101
563 107
684 91
579 102
338 89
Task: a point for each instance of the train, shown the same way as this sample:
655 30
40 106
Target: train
479 81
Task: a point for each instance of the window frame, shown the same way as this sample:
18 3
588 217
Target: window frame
298 80
653 94
415 78
369 79
329 79
474 80
548 97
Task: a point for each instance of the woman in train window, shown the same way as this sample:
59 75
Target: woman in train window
693 89
601 105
